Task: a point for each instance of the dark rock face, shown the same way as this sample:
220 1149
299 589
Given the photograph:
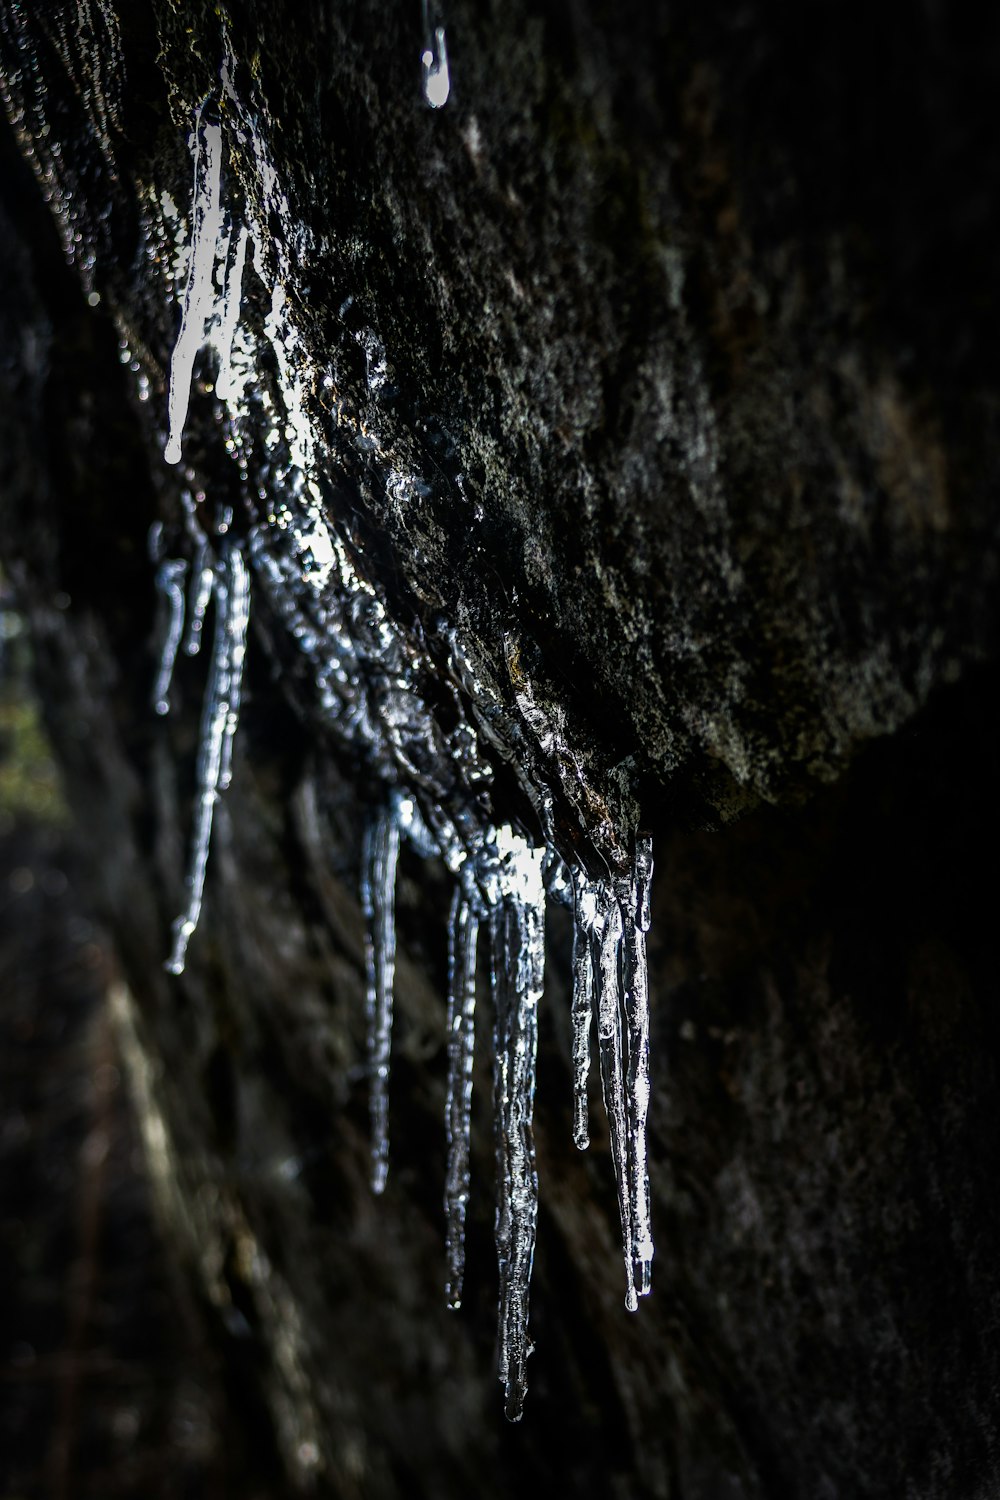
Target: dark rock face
651 394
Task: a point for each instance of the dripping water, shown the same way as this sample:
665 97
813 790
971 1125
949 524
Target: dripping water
434 57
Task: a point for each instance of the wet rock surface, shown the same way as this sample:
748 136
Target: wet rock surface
661 424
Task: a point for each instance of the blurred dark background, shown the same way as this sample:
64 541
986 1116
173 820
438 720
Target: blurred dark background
111 1382
703 303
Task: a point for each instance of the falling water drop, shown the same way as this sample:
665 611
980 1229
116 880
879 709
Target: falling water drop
434 58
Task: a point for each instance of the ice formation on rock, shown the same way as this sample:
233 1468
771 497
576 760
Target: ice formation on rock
220 718
370 680
199 293
171 573
516 896
463 941
373 681
378 900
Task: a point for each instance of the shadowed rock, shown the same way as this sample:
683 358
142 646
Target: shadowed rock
645 390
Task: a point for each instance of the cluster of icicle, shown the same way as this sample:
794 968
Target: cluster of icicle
226 580
368 687
504 888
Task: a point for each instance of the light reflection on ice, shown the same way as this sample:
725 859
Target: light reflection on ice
368 674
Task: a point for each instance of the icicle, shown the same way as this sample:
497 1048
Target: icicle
634 901
434 58
517 931
170 583
238 615
410 822
202 585
344 629
605 945
584 915
199 293
378 898
218 727
643 879
463 935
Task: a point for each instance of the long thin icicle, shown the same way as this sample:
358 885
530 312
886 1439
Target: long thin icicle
378 897
218 727
584 916
606 943
517 930
634 900
199 293
238 612
609 966
200 596
463 936
170 577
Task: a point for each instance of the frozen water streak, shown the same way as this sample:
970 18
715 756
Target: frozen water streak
229 315
199 293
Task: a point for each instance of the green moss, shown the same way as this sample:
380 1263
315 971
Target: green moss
29 783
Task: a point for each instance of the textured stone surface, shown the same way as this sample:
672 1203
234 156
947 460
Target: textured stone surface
691 321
